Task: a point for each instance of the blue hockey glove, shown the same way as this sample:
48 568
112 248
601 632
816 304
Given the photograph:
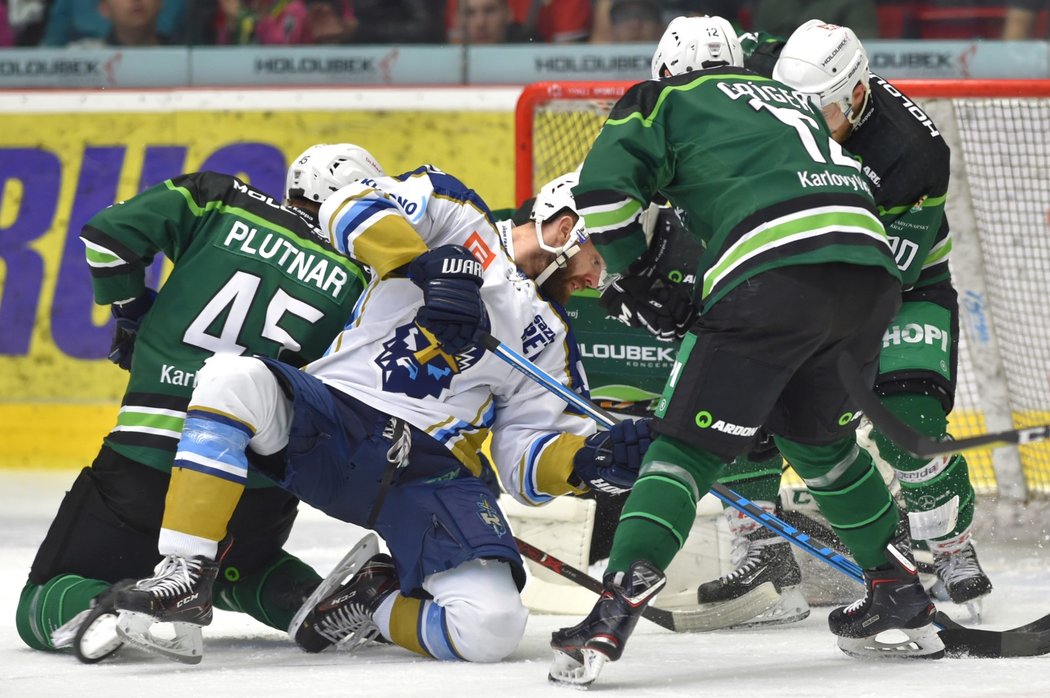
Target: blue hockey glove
128 316
609 460
451 279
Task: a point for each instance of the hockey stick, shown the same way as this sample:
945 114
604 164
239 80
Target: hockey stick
917 444
1026 641
678 620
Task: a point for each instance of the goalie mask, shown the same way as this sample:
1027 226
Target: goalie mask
696 43
827 61
322 169
552 199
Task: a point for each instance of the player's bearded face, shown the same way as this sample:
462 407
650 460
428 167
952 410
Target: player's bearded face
584 270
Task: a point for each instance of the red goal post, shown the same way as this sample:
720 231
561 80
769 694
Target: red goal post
999 209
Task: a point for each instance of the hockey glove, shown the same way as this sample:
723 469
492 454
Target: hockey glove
453 311
665 309
128 316
609 460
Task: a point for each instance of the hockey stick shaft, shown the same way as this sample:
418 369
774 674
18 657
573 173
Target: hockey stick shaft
920 445
728 496
661 617
1025 641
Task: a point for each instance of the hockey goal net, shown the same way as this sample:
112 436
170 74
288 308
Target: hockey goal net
999 208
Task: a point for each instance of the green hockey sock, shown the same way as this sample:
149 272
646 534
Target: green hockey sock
271 596
850 492
759 481
929 486
44 607
660 510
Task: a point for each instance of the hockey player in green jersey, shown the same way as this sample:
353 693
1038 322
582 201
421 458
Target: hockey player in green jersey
796 271
250 276
906 162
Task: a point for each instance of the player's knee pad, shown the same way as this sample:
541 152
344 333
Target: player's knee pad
87 538
271 595
243 388
483 609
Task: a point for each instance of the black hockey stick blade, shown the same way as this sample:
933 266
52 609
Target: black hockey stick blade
994 644
917 444
663 618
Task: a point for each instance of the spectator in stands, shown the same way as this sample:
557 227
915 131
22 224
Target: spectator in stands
7 37
541 20
782 17
330 22
243 22
1020 18
69 21
400 21
134 22
619 21
486 22
25 20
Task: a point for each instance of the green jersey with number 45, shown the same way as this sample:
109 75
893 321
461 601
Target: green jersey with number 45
249 277
750 166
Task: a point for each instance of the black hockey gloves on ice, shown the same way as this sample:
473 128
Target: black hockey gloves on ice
609 460
451 279
128 316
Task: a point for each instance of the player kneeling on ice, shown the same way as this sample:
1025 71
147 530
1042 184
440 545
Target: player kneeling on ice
384 430
238 256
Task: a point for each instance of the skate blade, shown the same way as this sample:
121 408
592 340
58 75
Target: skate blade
185 646
361 553
920 643
567 670
728 614
975 607
63 636
791 607
99 640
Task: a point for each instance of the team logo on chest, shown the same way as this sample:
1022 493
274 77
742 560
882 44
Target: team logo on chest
414 364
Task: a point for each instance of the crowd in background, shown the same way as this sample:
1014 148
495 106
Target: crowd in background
86 23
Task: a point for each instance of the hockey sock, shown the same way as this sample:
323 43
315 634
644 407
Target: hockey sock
272 595
755 476
938 493
660 510
850 492
207 480
44 607
416 625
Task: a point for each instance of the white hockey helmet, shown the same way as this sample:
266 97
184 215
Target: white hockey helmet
553 198
695 43
322 169
827 61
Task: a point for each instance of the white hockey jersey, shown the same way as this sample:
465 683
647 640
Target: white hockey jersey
385 360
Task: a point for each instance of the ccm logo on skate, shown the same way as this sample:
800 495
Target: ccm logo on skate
705 420
183 602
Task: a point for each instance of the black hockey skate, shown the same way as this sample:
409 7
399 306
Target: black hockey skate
763 589
345 616
894 599
581 651
961 579
92 633
180 593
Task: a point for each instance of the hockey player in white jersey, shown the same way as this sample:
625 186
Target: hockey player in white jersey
385 430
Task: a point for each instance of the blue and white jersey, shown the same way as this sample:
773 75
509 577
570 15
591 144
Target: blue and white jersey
384 359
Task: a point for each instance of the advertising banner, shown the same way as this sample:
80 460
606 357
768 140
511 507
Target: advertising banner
58 168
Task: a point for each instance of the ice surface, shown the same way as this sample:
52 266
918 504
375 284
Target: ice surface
245 658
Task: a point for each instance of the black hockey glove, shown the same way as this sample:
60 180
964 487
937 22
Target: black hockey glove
651 294
609 460
663 308
453 311
125 332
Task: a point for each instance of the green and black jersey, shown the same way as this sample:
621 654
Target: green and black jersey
906 162
249 277
750 166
